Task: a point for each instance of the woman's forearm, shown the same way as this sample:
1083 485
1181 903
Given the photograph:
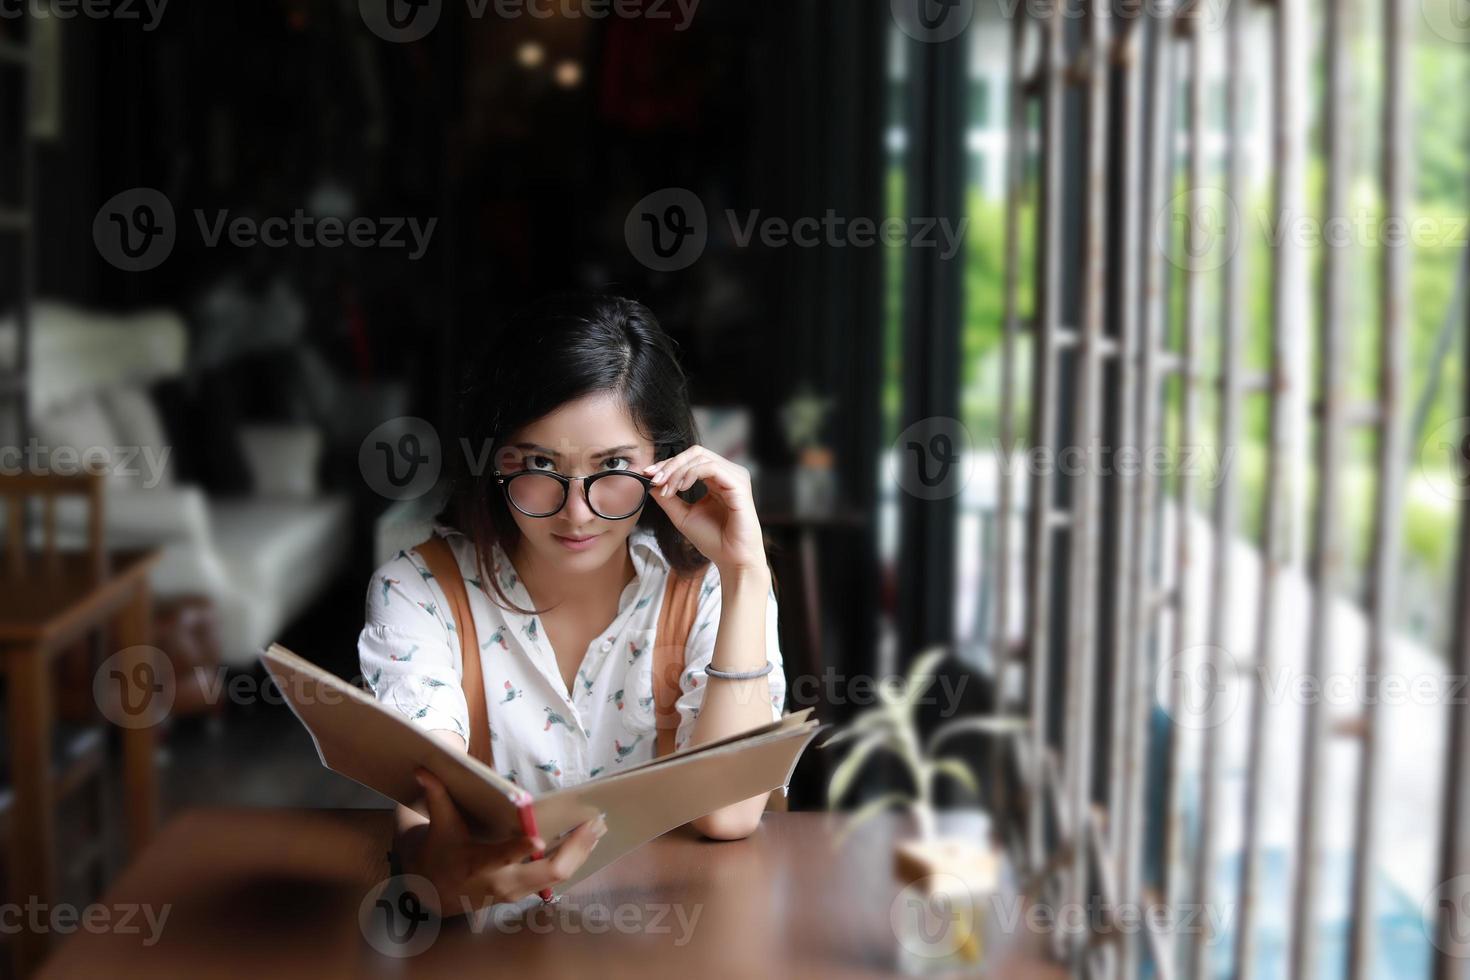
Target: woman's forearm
731 707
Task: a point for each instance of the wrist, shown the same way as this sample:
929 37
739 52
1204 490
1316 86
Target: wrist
745 578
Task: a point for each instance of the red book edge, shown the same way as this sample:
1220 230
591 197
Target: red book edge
525 806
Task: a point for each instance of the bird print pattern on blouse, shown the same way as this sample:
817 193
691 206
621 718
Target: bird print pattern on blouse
543 734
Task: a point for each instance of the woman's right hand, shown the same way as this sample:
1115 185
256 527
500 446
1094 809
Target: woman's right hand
470 874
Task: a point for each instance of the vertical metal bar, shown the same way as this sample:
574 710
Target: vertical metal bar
1183 503
1383 583
1044 426
1286 325
1452 946
1327 558
1222 520
1452 956
1082 647
1124 478
1015 179
1143 613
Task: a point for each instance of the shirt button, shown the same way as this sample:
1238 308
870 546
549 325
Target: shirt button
606 645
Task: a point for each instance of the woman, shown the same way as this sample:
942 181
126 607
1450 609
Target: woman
577 417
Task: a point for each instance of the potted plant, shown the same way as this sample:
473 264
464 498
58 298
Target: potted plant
802 419
931 861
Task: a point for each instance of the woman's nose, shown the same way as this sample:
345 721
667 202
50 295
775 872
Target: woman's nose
577 510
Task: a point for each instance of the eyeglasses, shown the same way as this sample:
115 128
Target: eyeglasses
614 495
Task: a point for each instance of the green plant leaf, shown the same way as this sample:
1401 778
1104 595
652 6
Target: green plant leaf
988 725
868 811
958 771
921 674
862 724
847 769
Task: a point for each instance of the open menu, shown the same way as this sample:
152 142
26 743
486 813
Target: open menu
377 747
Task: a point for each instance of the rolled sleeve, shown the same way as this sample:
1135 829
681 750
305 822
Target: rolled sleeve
700 652
408 651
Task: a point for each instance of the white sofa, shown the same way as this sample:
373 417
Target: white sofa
262 559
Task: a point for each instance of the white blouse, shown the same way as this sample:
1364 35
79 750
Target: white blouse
542 735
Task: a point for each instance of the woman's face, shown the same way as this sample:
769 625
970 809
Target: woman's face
591 435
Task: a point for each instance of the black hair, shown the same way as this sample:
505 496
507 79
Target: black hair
548 354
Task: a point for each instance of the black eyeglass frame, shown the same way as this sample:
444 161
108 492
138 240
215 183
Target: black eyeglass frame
505 479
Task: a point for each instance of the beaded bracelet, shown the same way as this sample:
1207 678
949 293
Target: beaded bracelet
739 675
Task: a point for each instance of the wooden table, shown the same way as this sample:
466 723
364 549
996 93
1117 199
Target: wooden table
42 614
277 893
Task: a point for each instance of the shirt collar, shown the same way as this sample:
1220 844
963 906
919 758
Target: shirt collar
644 549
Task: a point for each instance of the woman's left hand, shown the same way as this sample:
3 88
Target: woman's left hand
722 524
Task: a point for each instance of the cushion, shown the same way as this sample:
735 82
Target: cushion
278 555
282 459
80 438
138 425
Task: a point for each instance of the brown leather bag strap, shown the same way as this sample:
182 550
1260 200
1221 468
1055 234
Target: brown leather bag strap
442 565
671 638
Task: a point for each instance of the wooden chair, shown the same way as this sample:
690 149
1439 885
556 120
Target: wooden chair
18 493
79 751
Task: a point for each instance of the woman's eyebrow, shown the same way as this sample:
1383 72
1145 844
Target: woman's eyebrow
615 451
532 447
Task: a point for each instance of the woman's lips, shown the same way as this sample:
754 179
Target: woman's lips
576 544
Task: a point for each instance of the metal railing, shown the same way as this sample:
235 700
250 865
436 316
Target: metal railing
1121 76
